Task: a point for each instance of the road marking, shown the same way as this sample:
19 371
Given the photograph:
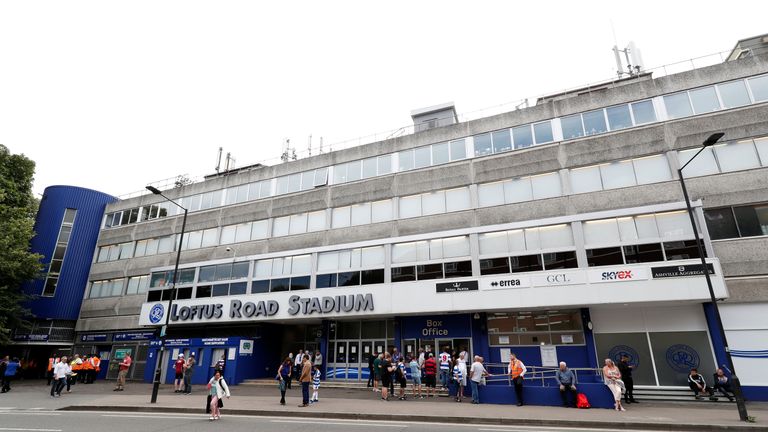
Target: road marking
350 423
36 413
549 428
30 430
189 417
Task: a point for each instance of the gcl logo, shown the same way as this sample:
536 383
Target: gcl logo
617 275
558 278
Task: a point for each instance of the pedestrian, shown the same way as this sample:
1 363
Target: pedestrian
284 377
11 368
422 357
75 365
297 360
386 375
122 372
95 366
477 375
699 386
305 378
460 377
377 371
189 371
464 355
445 368
612 379
315 384
217 389
178 368
626 375
59 375
402 377
318 362
723 384
430 374
395 355
416 377
517 374
52 360
221 364
371 376
566 379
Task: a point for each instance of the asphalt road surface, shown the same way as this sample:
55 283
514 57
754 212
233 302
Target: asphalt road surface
44 420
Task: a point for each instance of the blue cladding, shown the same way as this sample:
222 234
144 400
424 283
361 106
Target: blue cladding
73 280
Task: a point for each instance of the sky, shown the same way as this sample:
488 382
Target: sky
114 95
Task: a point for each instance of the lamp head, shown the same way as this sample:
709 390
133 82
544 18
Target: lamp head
154 190
714 138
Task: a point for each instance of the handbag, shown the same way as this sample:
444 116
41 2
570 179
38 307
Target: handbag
621 385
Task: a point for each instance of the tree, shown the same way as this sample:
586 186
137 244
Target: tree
17 263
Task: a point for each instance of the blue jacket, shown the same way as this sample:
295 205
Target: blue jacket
11 369
566 377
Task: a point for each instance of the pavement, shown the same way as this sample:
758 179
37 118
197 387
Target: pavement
354 404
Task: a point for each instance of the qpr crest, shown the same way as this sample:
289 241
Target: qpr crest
682 358
619 351
156 313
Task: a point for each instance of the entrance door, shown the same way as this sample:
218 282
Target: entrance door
367 348
409 348
354 360
441 345
337 364
463 345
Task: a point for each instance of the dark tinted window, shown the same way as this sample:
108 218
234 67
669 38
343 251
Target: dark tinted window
681 250
240 270
526 263
369 277
494 266
167 294
604 256
643 253
721 223
429 271
752 220
280 284
403 274
326 280
223 272
458 269
560 260
349 278
299 283
184 293
207 274
203 291
238 288
220 290
153 295
260 286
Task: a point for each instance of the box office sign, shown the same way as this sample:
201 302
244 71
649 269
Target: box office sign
681 271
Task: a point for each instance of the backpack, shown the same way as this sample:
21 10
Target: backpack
582 401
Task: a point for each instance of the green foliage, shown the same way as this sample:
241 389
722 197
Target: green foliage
17 214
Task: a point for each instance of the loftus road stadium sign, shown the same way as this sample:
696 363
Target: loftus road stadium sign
239 309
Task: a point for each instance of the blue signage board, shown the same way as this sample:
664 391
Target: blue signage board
31 337
436 326
134 336
95 337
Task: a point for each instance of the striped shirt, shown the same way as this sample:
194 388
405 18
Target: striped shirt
316 379
445 360
457 373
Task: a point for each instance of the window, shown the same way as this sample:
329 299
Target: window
348 278
643 253
458 150
643 112
518 190
762 149
721 223
192 240
502 141
522 136
410 206
681 250
604 256
405 160
433 203
752 220
308 180
298 224
601 232
704 100
281 226
490 194
209 237
326 280
202 291
261 286
494 266
594 122
457 199
546 185
535 328
354 171
572 127
526 263
543 132
370 277
59 253
483 145
651 169
316 221
369 168
733 94
422 157
619 117
457 269
554 236
137 285
759 87
360 214
560 260
403 274
736 156
429 271
678 105
339 175
704 164
340 217
617 174
228 234
381 211
384 164
166 244
674 224
294 182
440 154
586 180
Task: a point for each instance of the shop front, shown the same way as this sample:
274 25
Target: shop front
112 347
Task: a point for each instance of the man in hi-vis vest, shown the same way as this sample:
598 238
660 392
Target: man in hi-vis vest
517 372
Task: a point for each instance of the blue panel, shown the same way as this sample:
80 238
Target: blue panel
65 304
598 394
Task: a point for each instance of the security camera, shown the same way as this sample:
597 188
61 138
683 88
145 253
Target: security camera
229 249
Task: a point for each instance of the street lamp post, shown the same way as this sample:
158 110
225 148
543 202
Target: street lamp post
158 360
741 406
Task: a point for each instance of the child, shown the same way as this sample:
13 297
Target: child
401 375
315 384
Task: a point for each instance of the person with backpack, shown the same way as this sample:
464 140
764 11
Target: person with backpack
217 389
566 379
401 377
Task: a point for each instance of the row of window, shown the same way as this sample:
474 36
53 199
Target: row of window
692 102
735 156
146 247
529 263
562 327
59 251
114 287
737 221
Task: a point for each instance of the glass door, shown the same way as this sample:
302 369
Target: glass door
337 364
409 348
354 360
366 353
444 345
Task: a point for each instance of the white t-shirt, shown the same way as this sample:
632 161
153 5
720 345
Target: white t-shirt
61 370
476 372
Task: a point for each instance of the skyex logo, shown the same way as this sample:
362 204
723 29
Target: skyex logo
617 275
156 313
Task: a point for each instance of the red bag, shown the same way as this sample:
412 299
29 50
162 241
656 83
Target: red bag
582 401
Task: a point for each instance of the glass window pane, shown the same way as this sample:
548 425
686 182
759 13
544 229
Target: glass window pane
326 280
674 224
348 278
523 136
594 122
279 285
370 277
404 252
166 244
643 253
543 132
294 182
599 232
517 242
502 141
433 203
617 174
361 214
493 243
370 167
681 250
518 190
410 206
555 236
243 232
440 154
752 220
704 164
339 174
300 283
282 186
736 156
354 171
494 266
627 229
422 157
572 127
307 181
652 169
321 176
403 274
263 269
560 260
546 185
678 105
240 270
280 226
618 117
721 223
316 221
526 263
298 223
704 100
643 112
259 229
429 271
384 164
482 145
733 94
327 261
759 86
490 194
458 150
152 246
301 264
762 150
207 274
586 180
340 217
372 257
265 188
405 160
193 239
455 247
604 256
646 226
381 211
223 272
457 269
259 286
210 237
457 199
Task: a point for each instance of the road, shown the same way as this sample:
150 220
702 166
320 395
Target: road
42 420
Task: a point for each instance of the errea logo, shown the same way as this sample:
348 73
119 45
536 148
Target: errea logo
617 275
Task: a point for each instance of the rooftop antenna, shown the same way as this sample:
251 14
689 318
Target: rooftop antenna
633 58
218 160
309 145
229 159
321 145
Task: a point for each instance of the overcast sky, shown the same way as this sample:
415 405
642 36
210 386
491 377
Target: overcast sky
115 95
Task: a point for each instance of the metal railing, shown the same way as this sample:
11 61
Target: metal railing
546 376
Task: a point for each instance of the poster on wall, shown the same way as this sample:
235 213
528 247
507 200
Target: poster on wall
548 356
503 340
246 347
505 354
